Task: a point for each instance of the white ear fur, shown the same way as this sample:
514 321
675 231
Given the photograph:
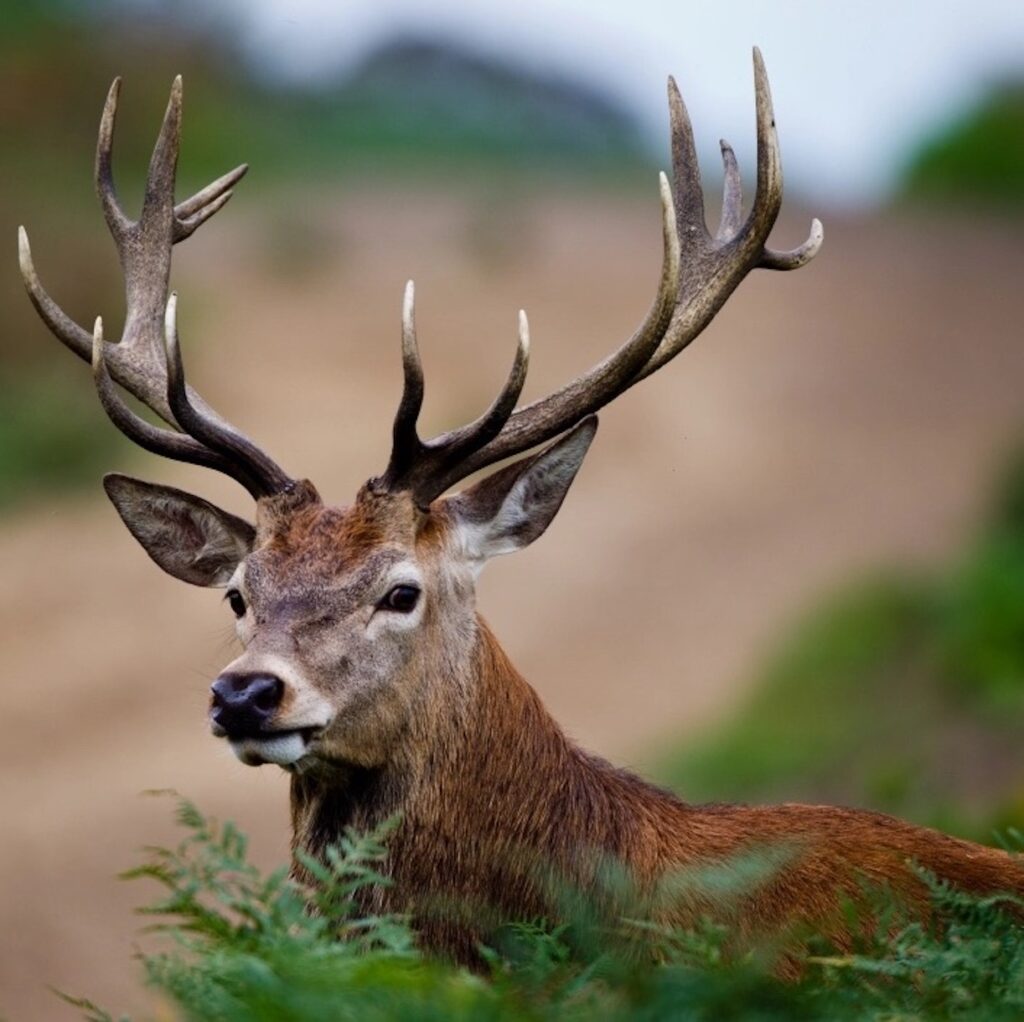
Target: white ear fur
511 508
188 537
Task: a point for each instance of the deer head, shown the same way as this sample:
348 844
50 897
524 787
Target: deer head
351 618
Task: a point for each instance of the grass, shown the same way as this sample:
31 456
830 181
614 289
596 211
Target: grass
244 945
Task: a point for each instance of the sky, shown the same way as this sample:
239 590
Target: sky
855 84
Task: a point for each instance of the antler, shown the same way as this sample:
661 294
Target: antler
699 272
147 361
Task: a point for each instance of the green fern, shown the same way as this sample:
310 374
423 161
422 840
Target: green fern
258 947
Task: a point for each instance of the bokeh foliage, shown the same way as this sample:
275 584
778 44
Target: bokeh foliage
978 159
903 692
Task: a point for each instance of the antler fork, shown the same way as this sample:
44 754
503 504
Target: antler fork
146 361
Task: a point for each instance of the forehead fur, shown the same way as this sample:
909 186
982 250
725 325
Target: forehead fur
297 525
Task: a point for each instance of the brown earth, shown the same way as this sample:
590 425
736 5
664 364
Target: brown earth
848 414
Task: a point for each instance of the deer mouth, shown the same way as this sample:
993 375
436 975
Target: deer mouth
284 748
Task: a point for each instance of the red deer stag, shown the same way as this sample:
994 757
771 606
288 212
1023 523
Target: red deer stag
366 671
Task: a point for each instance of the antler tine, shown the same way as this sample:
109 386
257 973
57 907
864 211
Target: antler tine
259 473
406 444
158 197
734 255
698 275
794 258
689 192
732 196
555 413
768 198
61 325
146 251
461 443
768 193
165 442
418 465
195 211
189 214
117 221
212 192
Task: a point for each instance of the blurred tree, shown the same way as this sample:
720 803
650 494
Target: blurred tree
432 96
977 159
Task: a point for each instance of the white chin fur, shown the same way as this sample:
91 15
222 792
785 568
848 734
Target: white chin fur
282 750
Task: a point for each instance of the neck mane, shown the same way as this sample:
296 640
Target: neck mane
495 802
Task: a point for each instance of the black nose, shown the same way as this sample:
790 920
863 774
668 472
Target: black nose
243 703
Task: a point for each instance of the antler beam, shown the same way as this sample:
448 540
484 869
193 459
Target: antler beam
699 273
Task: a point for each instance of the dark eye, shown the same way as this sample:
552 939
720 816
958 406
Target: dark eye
402 599
234 598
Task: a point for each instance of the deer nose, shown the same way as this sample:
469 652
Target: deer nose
243 703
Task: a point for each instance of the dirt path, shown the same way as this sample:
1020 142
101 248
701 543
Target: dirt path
831 419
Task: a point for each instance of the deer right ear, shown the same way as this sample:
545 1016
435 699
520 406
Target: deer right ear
511 508
187 536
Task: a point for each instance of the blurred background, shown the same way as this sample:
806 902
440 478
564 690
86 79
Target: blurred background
793 566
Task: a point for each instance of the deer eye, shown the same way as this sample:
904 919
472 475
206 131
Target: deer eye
235 601
402 599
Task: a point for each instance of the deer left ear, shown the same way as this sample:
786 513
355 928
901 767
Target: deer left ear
188 537
511 508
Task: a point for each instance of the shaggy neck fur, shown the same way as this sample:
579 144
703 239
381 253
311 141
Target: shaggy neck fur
496 804
502 816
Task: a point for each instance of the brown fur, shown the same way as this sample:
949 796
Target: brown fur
422 715
501 814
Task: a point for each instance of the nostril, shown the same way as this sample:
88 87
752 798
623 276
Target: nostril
243 704
268 693
221 690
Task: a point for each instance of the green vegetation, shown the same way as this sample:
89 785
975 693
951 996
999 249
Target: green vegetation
51 437
245 946
978 159
901 693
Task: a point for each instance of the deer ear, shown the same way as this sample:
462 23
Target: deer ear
187 536
511 508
